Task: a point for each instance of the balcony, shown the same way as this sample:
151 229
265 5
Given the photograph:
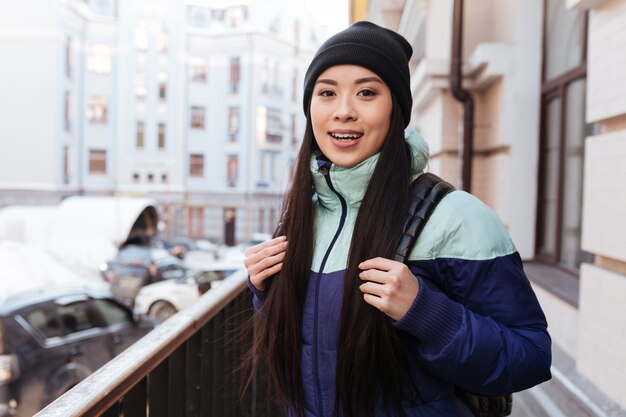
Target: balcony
188 366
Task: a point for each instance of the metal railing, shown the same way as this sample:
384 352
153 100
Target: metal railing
186 367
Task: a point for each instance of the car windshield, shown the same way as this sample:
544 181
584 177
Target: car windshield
133 254
160 254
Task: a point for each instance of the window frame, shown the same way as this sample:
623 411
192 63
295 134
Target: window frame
555 89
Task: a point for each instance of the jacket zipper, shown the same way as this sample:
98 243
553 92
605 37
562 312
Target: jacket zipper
325 170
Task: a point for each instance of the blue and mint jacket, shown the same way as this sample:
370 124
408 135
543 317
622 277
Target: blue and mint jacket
475 323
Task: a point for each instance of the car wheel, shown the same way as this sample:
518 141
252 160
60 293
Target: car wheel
162 310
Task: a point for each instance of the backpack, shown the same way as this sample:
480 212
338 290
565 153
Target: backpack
426 192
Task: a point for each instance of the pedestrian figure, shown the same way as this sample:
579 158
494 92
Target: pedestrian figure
343 328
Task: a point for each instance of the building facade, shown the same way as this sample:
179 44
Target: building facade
549 149
194 103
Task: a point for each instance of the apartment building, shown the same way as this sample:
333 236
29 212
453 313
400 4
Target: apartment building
194 103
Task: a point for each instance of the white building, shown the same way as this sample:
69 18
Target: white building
194 103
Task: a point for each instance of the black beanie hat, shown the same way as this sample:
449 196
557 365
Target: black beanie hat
368 45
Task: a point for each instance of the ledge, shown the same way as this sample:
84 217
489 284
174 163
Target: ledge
559 283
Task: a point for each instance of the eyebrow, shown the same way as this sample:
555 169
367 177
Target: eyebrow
358 81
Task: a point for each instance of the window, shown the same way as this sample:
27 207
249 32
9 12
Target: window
99 59
197 117
97 109
44 320
265 76
196 165
162 80
135 177
273 126
296 32
198 17
97 161
294 129
238 16
196 217
113 313
67 110
276 89
261 220
66 165
268 167
68 57
563 130
163 41
164 178
232 170
161 138
139 141
76 317
141 89
233 123
234 74
198 70
150 177
142 36
295 82
565 38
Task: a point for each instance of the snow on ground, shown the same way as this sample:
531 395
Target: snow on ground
25 267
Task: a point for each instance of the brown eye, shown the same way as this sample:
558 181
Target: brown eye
366 93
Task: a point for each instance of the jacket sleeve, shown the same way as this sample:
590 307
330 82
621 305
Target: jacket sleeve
477 319
258 296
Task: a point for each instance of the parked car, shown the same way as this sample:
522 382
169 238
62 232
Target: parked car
53 338
174 248
136 266
164 299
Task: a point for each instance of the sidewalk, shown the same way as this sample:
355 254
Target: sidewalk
567 394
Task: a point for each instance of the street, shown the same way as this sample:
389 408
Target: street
567 394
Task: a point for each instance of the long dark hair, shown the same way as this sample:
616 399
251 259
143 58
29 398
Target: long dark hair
369 357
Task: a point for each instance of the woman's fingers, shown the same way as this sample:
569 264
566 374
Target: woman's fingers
264 250
264 260
268 243
389 286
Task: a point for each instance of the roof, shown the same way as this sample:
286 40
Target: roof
103 218
29 297
111 218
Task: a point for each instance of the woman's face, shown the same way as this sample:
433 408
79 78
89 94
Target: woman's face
350 114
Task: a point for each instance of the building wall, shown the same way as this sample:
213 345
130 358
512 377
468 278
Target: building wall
38 33
602 332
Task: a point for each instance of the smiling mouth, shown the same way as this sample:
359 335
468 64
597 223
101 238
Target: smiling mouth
346 136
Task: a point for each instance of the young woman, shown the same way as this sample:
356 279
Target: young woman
343 329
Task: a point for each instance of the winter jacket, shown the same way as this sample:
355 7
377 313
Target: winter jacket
475 323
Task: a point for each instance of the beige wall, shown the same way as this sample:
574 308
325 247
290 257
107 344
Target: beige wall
606 62
602 327
562 320
602 331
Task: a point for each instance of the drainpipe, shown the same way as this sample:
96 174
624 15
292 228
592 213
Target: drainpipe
463 96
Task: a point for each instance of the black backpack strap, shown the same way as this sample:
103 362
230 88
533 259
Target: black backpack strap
425 193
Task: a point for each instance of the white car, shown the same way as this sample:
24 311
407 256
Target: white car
163 299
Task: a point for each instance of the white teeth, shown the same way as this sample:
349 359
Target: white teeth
346 136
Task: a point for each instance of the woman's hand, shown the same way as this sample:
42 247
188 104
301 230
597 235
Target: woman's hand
264 260
391 286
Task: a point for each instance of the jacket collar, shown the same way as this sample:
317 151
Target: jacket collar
351 183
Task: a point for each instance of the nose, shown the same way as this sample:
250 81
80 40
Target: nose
345 110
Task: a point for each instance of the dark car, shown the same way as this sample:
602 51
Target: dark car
136 266
52 339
